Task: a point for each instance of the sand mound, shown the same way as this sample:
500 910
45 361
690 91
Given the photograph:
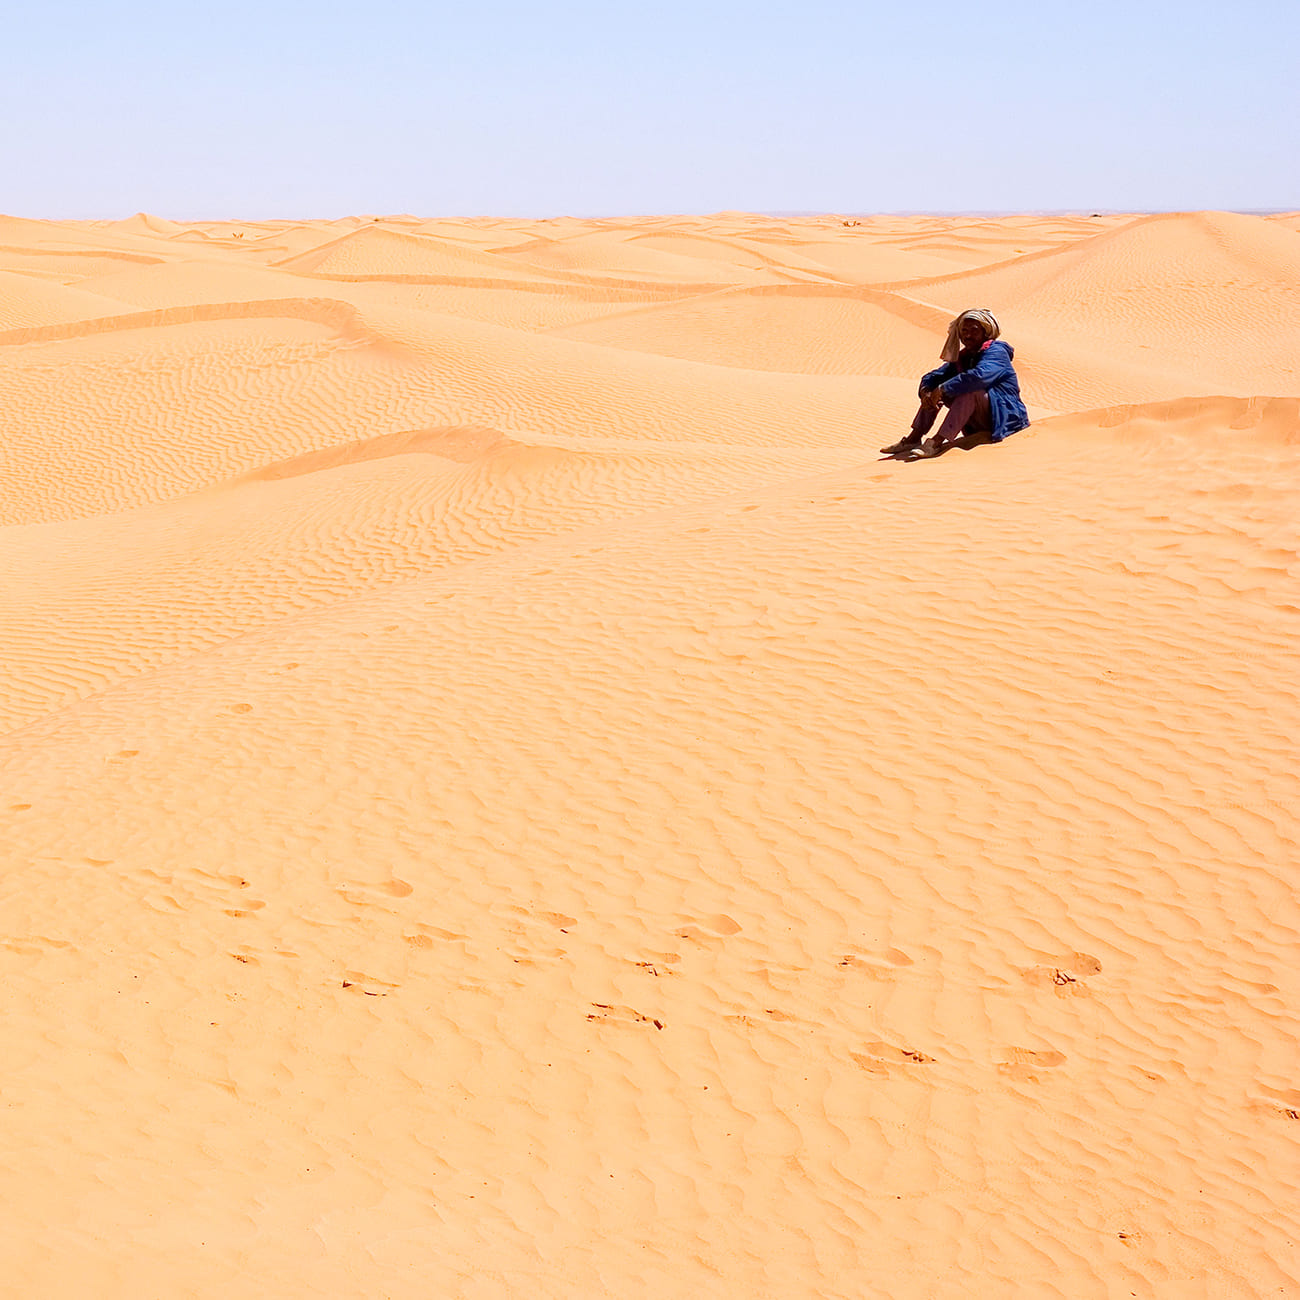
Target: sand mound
183 284
104 415
145 223
516 305
1190 290
214 391
686 259
832 330
312 530
374 253
26 302
880 249
503 793
1274 420
745 253
805 330
1193 251
67 265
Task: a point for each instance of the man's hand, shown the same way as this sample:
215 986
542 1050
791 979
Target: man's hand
934 398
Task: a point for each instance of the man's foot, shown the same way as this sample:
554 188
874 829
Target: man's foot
932 447
910 442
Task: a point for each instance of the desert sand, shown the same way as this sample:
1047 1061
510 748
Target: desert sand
503 793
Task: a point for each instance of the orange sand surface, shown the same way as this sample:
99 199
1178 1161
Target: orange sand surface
503 793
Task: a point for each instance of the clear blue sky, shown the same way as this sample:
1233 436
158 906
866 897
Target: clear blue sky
285 108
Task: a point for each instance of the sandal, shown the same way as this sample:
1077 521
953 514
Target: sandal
908 443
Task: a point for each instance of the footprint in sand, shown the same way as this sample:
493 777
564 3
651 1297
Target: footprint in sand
1025 1063
658 963
1080 964
354 892
866 963
1283 1102
356 981
34 945
247 907
1049 1060
709 928
608 1013
1067 974
876 1058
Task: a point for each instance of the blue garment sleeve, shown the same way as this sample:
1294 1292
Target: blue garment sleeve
994 365
936 377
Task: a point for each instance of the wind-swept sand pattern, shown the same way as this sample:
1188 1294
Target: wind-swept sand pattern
502 793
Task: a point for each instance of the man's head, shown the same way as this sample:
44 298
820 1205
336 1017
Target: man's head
972 332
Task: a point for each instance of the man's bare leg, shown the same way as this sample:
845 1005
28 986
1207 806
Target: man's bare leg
969 411
922 423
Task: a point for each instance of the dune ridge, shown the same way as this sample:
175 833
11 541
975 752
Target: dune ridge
503 792
321 311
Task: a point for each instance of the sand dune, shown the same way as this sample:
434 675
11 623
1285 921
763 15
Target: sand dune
519 304
376 253
502 793
805 329
1190 290
60 264
402 506
878 249
244 383
145 223
202 280
841 330
685 259
28 302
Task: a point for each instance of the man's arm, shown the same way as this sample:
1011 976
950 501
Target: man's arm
995 364
934 378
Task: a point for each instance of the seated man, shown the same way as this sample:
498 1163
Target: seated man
976 382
